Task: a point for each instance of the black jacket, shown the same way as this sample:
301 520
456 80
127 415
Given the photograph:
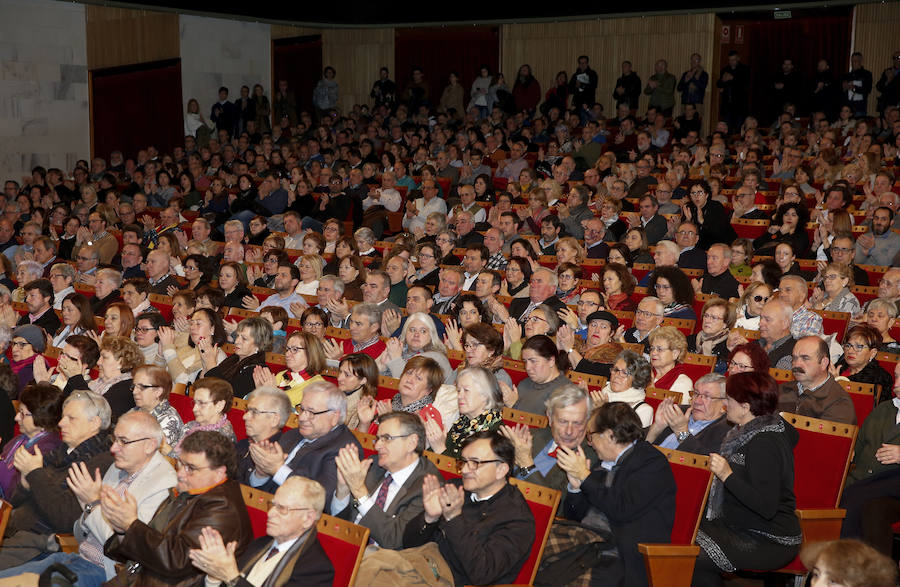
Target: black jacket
245 463
724 285
872 373
49 321
305 563
488 543
716 226
639 503
239 372
692 259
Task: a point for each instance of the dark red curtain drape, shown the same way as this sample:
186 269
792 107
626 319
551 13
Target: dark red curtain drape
438 51
136 106
299 61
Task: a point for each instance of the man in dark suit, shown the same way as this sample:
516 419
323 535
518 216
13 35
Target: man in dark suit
568 409
594 231
291 553
268 409
647 317
687 235
744 204
700 430
542 290
654 225
310 449
39 300
385 493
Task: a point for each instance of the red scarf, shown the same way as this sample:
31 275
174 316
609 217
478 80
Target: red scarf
666 381
19 365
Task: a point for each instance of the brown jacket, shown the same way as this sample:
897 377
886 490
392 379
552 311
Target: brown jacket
829 401
157 553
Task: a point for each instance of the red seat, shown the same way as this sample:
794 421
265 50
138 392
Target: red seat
543 503
865 294
236 418
639 270
888 361
653 397
367 441
626 319
163 304
834 323
500 183
696 366
456 358
751 229
513 417
685 325
673 563
183 404
863 397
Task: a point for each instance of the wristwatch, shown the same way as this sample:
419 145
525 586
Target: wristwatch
682 436
356 501
526 471
234 581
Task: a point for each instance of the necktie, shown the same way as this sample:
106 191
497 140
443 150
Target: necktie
383 491
272 552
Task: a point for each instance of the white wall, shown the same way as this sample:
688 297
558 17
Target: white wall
217 52
44 116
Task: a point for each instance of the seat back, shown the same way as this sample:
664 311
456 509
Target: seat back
367 441
821 460
864 293
344 543
512 417
692 482
163 304
445 464
387 387
543 503
751 229
685 325
236 417
863 397
834 323
654 396
593 381
888 361
697 366
257 503
455 358
183 404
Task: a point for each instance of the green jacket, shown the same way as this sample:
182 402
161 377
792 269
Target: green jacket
879 428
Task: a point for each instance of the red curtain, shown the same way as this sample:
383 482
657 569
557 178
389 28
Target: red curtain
804 39
136 106
438 51
299 61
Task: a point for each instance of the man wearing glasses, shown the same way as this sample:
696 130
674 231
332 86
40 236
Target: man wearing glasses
687 235
310 449
268 410
206 497
289 555
647 317
476 532
45 504
139 468
384 493
701 428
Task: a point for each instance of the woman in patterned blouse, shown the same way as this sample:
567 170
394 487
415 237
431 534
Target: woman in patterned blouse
480 402
152 385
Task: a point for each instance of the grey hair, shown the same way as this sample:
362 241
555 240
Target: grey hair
565 396
637 366
486 384
279 398
554 278
438 217
726 250
654 300
890 308
5 331
550 316
372 312
669 246
4 292
451 233
783 308
234 224
65 270
713 378
425 319
311 492
261 331
33 268
91 250
365 234
147 424
95 406
111 274
336 282
336 400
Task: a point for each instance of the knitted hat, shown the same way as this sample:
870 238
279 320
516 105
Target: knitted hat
34 335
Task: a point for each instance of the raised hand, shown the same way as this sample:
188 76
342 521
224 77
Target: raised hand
262 376
510 394
85 487
431 498
267 456
353 470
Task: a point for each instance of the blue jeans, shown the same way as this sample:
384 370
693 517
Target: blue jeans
89 574
245 216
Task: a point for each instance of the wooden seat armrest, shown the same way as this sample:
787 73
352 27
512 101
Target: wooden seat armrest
67 543
821 525
653 550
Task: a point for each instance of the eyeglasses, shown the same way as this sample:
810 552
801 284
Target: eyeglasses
473 464
855 347
617 371
283 509
841 250
123 442
142 387
70 357
536 319
662 286
256 412
832 277
705 396
646 314
311 413
586 303
389 437
294 349
144 329
733 364
685 233
471 346
20 345
313 325
712 317
189 468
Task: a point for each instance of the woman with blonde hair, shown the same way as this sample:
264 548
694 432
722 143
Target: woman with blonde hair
847 563
536 210
749 307
310 271
668 347
569 250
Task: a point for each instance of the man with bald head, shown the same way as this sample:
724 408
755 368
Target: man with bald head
594 231
687 236
775 333
804 322
158 272
465 227
744 203
815 393
718 279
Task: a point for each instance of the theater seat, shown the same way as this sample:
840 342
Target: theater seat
513 417
653 397
543 503
672 564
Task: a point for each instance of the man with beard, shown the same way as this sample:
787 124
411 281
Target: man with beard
815 393
881 245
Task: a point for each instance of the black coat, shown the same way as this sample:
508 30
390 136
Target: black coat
488 543
239 372
49 321
692 259
873 373
639 504
716 226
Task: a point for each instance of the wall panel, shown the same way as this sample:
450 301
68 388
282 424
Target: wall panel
552 47
118 36
357 55
876 37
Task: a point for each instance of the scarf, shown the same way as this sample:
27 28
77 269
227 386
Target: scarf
411 408
465 427
19 365
616 300
667 380
706 342
673 307
101 386
737 438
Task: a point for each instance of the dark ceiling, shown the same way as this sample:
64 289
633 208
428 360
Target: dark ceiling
381 12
